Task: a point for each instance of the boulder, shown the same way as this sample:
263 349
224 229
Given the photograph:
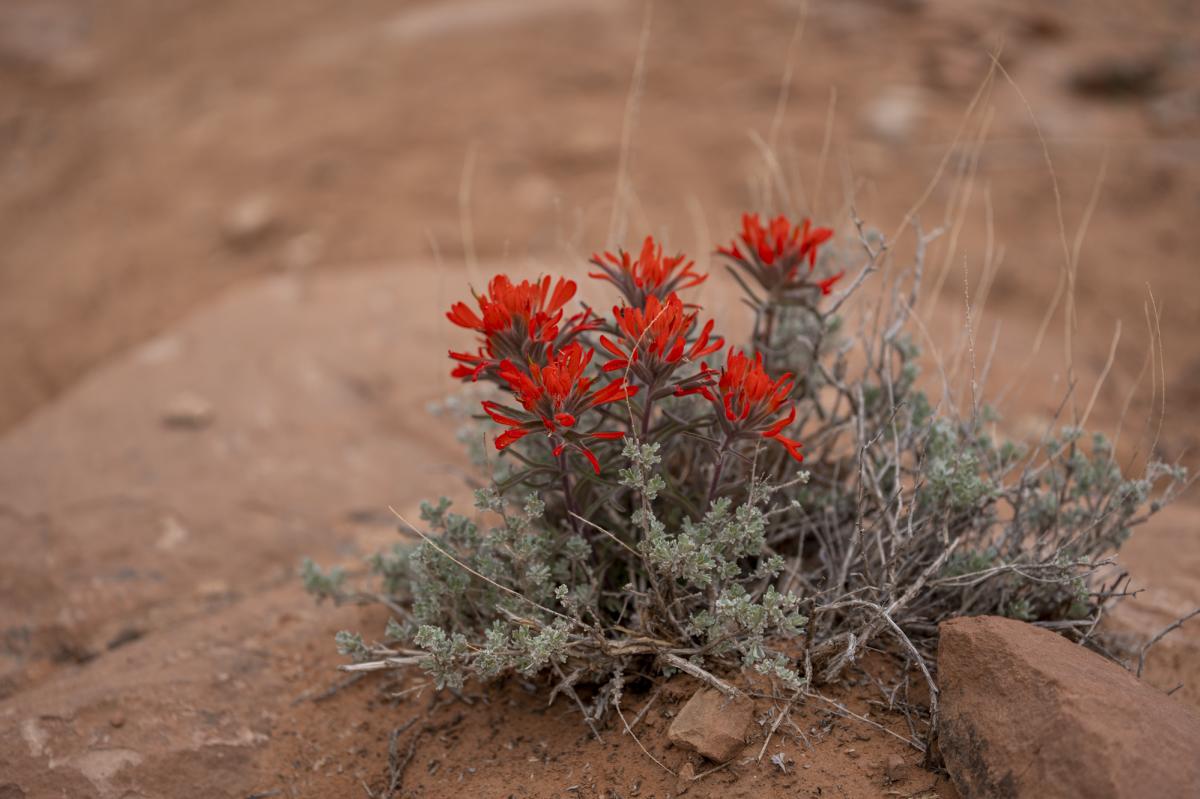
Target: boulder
712 724
1025 712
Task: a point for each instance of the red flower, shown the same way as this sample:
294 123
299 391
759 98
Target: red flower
528 305
773 254
470 365
655 338
650 275
751 402
553 397
826 285
515 320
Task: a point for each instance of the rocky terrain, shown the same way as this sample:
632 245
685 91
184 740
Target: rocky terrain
230 230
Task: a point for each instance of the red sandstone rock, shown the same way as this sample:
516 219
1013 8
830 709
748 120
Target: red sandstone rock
1026 712
712 724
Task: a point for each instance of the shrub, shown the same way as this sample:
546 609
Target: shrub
648 511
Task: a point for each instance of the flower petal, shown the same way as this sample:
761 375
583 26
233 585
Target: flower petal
494 409
791 445
509 436
587 453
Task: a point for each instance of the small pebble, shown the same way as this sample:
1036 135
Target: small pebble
249 222
188 412
686 774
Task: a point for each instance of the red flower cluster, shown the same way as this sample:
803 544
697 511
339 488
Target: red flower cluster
654 339
779 241
554 396
651 275
775 252
751 402
528 349
530 305
516 321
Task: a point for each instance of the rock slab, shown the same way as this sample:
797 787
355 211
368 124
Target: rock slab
1025 712
712 724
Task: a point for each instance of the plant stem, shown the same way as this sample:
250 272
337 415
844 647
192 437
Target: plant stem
648 411
568 498
718 467
770 330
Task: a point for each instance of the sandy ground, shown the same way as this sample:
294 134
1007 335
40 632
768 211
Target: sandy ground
159 155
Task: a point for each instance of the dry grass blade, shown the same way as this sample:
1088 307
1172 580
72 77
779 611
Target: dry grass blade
632 734
628 125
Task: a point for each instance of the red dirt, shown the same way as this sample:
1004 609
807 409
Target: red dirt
154 636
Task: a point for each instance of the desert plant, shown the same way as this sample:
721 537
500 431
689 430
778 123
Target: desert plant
648 512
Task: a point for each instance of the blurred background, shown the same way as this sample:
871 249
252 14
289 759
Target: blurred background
154 153
229 230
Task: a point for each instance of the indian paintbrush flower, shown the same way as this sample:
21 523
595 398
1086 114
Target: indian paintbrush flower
517 321
773 254
553 397
654 341
751 404
649 275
